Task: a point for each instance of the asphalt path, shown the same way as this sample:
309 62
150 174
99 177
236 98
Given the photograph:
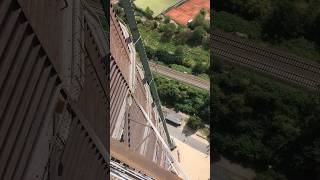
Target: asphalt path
180 76
178 134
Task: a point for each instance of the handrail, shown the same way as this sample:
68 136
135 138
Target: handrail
175 163
144 59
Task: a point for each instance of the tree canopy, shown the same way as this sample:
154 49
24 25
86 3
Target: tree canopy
261 123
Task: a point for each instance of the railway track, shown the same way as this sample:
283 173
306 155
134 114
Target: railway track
186 78
283 66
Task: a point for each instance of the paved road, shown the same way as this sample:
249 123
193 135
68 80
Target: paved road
186 78
178 134
227 170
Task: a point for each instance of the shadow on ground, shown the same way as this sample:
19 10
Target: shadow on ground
188 131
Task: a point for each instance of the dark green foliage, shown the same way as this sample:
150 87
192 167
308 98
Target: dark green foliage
179 53
233 23
195 122
119 11
315 29
197 36
154 25
302 47
167 19
184 98
198 20
206 42
148 13
139 20
168 58
150 52
312 21
266 125
250 9
215 65
262 124
284 22
168 32
200 68
182 37
206 26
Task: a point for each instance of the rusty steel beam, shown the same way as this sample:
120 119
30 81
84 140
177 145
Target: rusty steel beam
128 156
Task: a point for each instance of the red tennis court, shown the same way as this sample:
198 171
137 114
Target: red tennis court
186 11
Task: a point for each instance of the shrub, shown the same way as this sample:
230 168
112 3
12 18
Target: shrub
199 68
138 19
288 20
150 52
195 122
182 37
232 23
197 36
179 52
168 32
167 19
206 42
168 58
148 13
155 25
198 20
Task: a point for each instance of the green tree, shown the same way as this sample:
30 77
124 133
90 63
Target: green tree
149 13
154 25
316 29
150 52
166 57
195 122
198 20
167 19
312 21
179 52
182 37
284 22
206 42
119 10
249 9
199 68
197 36
168 32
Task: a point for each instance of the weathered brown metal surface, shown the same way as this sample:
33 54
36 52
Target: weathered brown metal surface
129 126
119 90
84 150
45 17
94 97
54 107
28 85
135 160
141 93
119 48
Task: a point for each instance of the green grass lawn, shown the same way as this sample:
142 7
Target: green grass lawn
157 6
